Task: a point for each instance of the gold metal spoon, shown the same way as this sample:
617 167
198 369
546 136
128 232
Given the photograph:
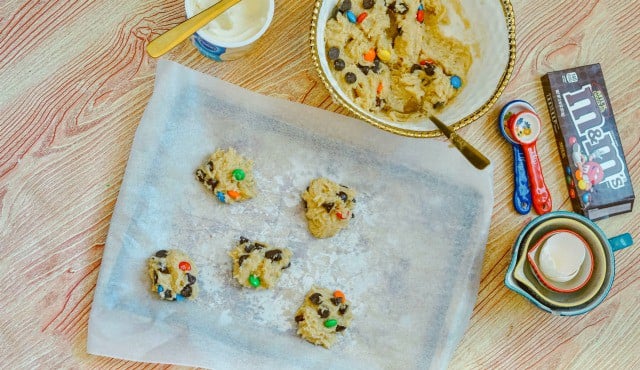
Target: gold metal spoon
477 159
181 32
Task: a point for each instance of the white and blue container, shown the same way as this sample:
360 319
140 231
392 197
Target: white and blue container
232 34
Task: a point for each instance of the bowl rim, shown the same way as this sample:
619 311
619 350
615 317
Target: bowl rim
509 15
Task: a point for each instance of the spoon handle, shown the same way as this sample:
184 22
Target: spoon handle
477 159
181 32
539 192
521 191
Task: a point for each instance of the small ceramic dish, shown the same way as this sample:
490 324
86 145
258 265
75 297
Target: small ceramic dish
563 284
487 26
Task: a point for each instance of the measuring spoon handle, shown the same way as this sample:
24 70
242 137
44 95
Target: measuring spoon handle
521 191
539 191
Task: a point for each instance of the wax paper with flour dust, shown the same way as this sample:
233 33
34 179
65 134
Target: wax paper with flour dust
409 261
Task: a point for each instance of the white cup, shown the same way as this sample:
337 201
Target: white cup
231 35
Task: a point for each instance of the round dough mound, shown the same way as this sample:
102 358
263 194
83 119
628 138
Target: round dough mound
228 176
173 275
329 207
259 263
320 307
392 64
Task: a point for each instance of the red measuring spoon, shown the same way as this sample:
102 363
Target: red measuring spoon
525 128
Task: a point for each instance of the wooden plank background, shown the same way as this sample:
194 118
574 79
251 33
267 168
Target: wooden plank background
75 79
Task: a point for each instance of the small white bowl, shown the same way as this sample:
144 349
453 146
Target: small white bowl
491 33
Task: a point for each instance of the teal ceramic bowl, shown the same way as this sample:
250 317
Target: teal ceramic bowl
521 279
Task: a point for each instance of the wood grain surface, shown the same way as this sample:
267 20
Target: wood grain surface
75 79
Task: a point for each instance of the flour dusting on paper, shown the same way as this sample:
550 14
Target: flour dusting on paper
409 261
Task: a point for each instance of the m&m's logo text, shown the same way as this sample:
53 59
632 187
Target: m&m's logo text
586 107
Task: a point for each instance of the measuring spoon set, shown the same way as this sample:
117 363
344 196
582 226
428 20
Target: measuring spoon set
520 126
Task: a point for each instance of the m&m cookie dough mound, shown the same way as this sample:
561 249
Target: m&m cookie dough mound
322 315
258 265
173 275
392 59
329 207
228 176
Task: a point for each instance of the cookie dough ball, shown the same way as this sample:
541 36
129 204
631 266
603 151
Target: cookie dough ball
323 314
329 207
258 265
228 176
393 59
173 275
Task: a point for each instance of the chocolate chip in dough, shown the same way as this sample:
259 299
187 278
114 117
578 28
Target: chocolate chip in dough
210 165
343 309
429 69
186 291
300 318
191 279
243 240
415 67
350 77
336 301
438 105
274 255
364 69
368 4
315 298
333 53
200 175
343 196
338 65
212 183
323 312
168 293
346 5
376 65
161 253
340 328
242 258
328 206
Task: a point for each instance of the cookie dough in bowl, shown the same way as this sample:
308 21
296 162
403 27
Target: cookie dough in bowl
394 63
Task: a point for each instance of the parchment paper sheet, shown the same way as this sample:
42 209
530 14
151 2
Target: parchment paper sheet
409 261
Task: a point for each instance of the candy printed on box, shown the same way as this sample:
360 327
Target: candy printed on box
592 156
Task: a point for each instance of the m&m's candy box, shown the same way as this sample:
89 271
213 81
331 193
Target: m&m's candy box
585 129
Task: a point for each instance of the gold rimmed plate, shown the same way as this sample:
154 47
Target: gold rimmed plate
488 27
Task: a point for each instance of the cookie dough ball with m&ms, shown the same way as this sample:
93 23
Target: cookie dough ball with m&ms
258 265
329 207
173 275
322 315
228 176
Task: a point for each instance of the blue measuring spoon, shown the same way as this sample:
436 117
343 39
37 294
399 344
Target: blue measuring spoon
521 191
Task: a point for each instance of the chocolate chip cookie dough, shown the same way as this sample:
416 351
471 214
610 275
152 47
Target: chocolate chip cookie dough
323 314
173 275
329 207
228 176
258 265
392 59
